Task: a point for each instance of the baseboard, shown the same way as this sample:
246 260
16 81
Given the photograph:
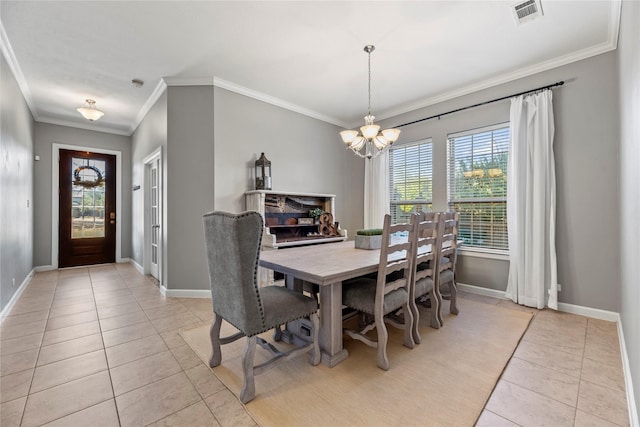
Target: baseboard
478 290
42 268
610 316
185 293
137 266
628 383
122 260
7 308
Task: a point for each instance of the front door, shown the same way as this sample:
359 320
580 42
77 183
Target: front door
87 208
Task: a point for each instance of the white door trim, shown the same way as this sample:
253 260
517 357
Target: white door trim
55 196
155 155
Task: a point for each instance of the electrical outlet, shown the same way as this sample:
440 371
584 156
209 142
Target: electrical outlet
559 287
13 282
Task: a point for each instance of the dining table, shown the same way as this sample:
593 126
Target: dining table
327 265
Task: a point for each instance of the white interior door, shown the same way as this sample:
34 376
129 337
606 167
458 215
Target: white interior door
155 222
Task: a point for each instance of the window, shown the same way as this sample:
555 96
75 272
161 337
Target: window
477 185
410 174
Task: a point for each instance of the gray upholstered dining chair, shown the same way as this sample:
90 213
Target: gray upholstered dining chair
377 298
424 274
233 249
448 257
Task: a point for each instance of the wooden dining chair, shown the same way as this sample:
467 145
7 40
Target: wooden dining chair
448 257
424 274
390 291
233 249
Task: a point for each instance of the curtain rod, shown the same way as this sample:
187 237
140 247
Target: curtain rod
482 103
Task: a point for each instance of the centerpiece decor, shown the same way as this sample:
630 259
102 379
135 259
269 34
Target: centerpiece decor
369 239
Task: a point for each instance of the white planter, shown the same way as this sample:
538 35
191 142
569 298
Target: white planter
368 242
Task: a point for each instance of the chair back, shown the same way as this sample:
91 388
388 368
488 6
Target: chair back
449 241
233 249
396 261
426 246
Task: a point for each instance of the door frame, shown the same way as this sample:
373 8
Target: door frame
146 267
55 196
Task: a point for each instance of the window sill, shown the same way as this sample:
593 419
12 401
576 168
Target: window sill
484 253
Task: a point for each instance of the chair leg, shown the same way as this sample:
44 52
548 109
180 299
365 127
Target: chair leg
315 348
436 304
383 337
416 320
453 289
248 391
277 333
435 311
214 333
409 320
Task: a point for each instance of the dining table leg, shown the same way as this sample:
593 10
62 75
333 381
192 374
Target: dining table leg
331 325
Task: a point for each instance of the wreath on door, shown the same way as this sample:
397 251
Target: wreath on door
77 180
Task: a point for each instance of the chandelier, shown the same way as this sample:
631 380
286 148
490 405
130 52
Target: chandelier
372 142
90 112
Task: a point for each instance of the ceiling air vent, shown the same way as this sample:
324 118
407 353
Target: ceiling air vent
527 10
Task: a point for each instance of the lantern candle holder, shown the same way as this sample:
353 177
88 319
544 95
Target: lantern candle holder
263 173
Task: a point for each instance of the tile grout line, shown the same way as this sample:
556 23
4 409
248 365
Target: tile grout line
26 401
104 347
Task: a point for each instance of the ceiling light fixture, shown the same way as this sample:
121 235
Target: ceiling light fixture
90 112
372 140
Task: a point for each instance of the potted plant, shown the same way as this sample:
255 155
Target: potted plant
369 239
315 214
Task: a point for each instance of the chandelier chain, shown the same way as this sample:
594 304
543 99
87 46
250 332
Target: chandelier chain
369 82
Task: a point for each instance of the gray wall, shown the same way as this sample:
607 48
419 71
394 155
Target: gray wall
150 135
306 155
189 179
587 163
629 75
208 156
45 136
16 186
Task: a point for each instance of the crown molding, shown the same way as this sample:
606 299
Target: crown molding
609 45
10 57
614 22
153 98
188 81
224 84
93 127
505 78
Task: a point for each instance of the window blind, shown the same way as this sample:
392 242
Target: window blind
477 184
410 179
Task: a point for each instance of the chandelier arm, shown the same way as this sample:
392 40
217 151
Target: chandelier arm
369 152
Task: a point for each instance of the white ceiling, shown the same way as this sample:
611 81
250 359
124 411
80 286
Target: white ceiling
306 56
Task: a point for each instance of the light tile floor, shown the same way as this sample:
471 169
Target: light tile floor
100 346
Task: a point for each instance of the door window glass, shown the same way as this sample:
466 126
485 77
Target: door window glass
87 204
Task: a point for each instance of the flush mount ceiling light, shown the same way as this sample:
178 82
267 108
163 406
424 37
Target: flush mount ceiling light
372 142
90 112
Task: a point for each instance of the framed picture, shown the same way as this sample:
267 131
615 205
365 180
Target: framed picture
305 221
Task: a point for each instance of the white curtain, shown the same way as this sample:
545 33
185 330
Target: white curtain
531 203
376 194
